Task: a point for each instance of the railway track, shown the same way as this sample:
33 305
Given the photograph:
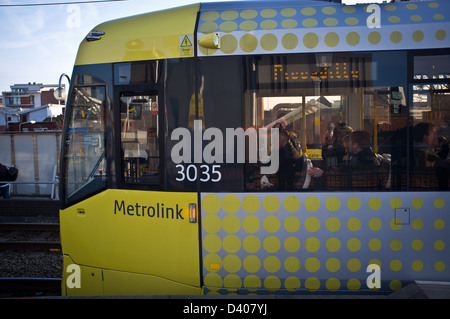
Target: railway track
34 245
29 236
29 287
29 226
30 259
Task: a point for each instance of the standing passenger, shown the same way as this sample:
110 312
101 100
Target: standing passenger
289 157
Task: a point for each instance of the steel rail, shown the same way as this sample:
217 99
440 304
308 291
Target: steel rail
12 285
27 245
11 226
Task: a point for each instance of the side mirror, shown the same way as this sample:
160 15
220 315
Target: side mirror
210 41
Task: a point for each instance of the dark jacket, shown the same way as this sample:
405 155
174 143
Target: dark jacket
290 161
4 176
365 159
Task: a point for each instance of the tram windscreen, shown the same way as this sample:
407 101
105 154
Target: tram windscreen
85 148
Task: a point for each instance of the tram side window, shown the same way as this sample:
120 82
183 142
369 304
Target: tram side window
139 139
430 114
341 118
85 143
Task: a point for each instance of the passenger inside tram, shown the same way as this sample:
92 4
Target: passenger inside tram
333 165
347 159
425 140
430 156
361 163
372 157
334 150
290 159
362 155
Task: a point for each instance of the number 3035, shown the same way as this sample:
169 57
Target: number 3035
205 173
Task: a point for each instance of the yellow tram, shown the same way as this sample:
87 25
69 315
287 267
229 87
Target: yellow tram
216 149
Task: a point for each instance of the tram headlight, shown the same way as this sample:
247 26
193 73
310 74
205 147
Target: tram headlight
192 213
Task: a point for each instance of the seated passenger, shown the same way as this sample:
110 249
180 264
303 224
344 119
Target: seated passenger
334 151
425 154
425 139
362 155
345 142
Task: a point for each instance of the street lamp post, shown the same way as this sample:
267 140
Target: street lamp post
60 92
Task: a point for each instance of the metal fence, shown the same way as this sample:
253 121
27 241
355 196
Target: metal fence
36 156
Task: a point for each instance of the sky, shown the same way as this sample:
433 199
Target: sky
39 43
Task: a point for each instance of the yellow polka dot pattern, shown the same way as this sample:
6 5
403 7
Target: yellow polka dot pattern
317 28
291 243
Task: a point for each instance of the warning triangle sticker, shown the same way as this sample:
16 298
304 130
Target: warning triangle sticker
186 42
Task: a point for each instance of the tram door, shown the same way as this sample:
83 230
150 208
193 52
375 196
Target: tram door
139 135
156 244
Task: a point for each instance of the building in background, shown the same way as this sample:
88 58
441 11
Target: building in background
31 107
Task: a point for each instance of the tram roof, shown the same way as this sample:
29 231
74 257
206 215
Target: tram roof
271 27
149 36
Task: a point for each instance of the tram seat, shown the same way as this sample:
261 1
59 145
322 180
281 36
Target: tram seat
334 179
378 179
375 179
423 178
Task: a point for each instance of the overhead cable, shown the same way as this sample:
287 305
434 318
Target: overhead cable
56 3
